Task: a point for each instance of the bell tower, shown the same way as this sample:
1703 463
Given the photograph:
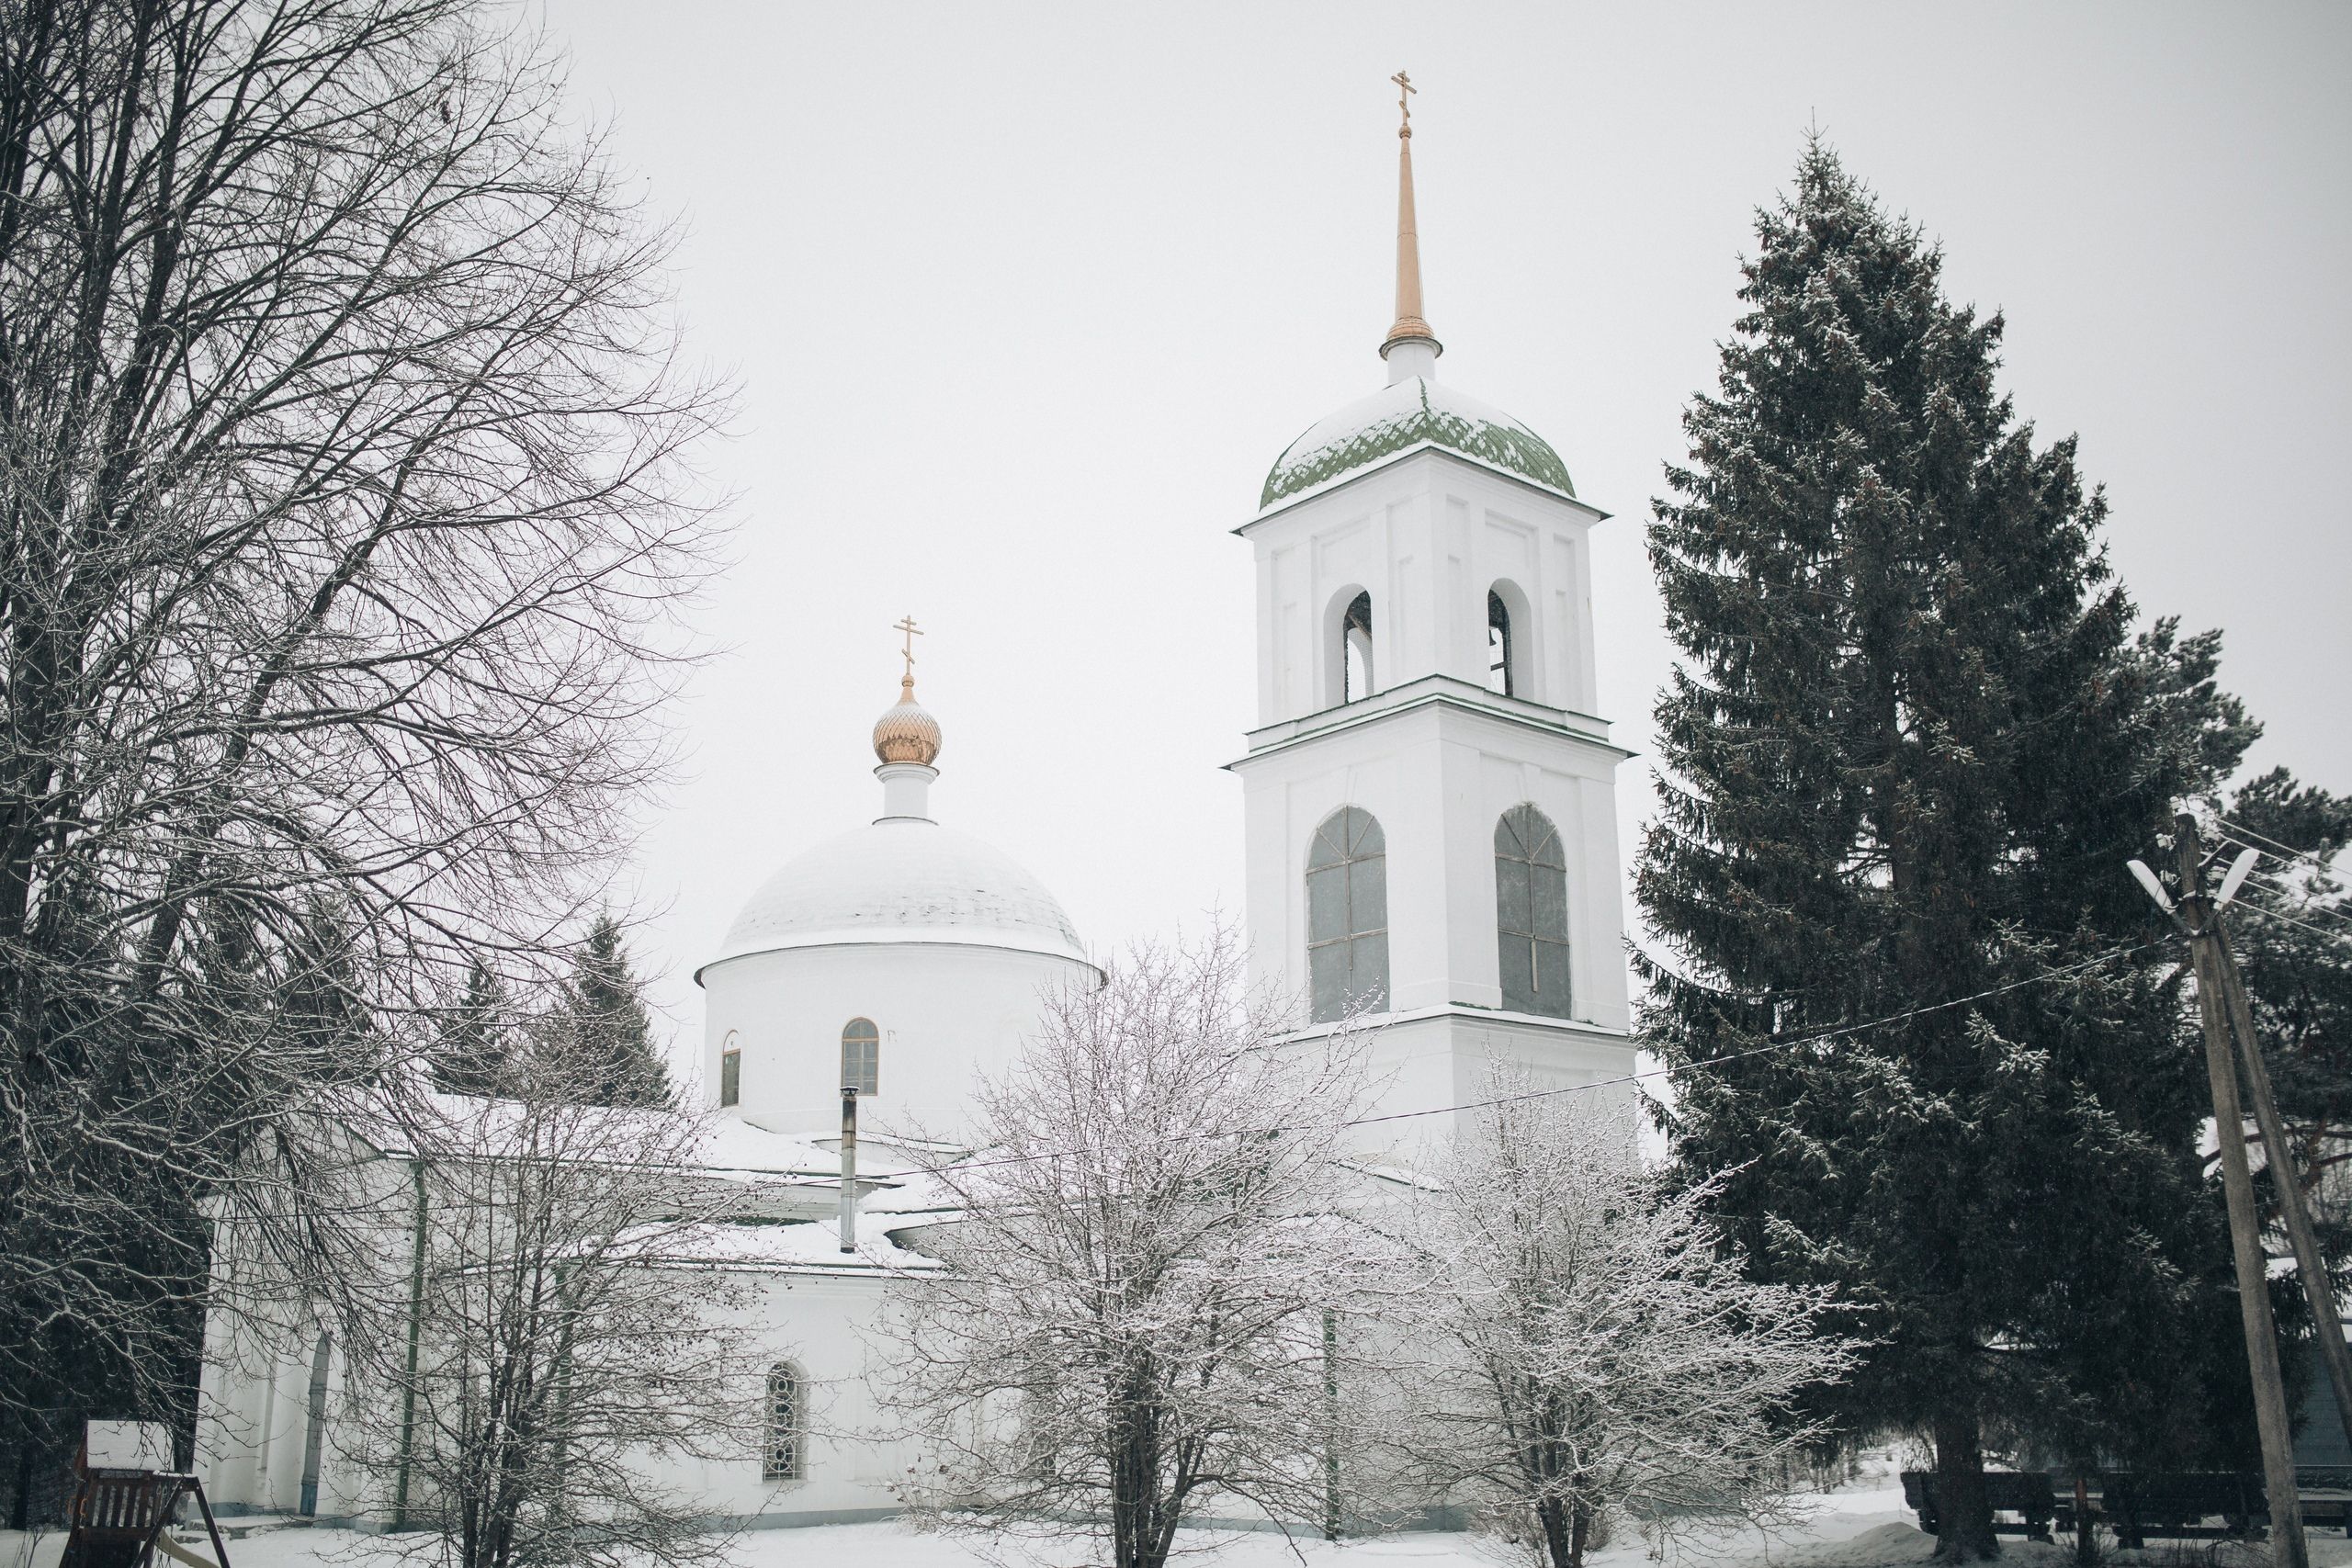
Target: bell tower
1430 805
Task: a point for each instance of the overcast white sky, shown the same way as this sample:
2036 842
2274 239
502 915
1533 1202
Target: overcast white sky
1025 300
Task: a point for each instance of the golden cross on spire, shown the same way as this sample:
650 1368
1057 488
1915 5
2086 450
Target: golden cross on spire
1409 326
906 625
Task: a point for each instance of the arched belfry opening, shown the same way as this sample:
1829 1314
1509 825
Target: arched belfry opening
1355 649
1513 643
1499 678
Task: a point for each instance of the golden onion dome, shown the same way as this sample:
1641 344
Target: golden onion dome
906 733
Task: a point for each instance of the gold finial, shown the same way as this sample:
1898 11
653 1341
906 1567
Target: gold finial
906 733
1409 327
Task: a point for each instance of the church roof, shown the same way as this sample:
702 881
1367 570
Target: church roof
1414 412
903 879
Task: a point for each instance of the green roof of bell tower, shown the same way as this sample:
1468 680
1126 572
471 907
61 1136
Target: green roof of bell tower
1412 413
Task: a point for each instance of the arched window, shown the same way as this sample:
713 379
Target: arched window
730 1072
1347 916
1355 649
1532 912
781 1458
1498 665
862 1057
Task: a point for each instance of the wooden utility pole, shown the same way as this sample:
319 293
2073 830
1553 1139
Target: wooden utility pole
2311 1265
2237 1181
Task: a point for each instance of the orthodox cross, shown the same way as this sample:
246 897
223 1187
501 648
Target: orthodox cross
1405 89
906 625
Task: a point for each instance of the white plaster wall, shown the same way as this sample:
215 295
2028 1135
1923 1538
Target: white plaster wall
1427 537
254 1420
1438 777
253 1399
1419 1065
823 1325
250 1442
945 1011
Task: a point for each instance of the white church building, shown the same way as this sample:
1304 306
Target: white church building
1430 834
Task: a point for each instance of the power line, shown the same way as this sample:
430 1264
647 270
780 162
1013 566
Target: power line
1904 1016
2305 901
2265 841
2259 913
1773 1046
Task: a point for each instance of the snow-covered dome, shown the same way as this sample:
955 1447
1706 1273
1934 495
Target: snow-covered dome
1412 412
903 879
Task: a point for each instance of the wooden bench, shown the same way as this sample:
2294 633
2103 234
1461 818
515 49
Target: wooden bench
2326 1505
2178 1505
2136 1504
2026 1493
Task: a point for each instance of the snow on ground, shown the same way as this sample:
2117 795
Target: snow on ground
1863 1525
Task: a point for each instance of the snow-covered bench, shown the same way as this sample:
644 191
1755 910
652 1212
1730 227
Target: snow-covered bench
2137 1505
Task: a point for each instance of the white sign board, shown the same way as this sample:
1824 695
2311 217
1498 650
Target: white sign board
127 1444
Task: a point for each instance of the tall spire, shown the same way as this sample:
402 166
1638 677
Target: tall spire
1410 333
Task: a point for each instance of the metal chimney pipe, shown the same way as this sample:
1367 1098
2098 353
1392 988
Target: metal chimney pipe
849 1168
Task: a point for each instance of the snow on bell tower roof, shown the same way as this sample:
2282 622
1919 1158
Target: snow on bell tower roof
1403 417
1413 410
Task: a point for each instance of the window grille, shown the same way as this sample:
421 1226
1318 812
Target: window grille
730 1073
1531 913
1347 916
782 1459
862 1057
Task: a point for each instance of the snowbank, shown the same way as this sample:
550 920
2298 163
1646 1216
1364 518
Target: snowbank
1864 1528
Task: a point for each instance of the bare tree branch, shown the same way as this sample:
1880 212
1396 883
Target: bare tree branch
345 512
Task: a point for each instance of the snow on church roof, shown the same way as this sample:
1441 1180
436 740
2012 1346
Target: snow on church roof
799 1246
1413 412
903 880
429 1122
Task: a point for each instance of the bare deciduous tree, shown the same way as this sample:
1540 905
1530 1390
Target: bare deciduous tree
572 1338
343 510
1128 1327
1584 1351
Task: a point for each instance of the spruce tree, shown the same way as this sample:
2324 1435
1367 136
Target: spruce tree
1909 746
610 1035
472 1056
2292 928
